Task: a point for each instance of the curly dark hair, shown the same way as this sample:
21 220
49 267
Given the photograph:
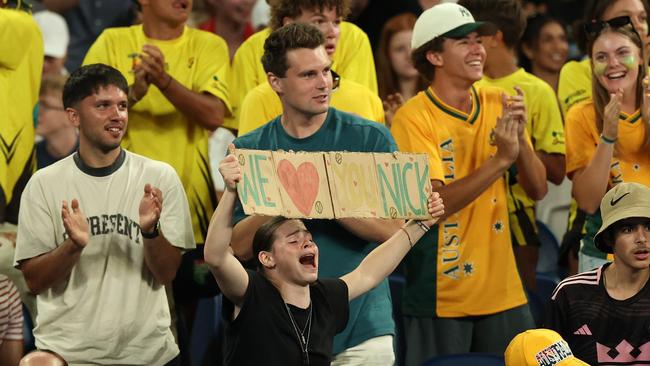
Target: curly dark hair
281 9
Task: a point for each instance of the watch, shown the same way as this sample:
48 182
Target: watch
153 234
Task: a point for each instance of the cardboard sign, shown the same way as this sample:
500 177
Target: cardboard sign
331 185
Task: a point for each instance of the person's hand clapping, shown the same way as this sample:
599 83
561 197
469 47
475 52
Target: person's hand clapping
75 224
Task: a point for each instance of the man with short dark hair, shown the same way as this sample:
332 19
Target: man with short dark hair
299 71
463 291
603 313
99 235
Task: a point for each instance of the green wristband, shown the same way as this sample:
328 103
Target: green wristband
607 140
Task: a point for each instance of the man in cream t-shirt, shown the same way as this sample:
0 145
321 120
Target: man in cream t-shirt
99 235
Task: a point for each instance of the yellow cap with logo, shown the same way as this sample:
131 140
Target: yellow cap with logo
540 347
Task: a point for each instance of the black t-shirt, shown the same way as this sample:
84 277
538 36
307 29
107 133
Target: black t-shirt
600 329
263 332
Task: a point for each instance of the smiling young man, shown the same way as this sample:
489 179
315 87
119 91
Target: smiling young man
543 125
603 313
99 235
463 291
177 96
299 71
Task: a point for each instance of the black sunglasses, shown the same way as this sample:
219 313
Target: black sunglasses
596 26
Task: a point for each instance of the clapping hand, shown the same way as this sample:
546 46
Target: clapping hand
153 62
506 133
150 208
391 105
611 114
75 224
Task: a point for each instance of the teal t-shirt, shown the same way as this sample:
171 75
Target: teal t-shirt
340 251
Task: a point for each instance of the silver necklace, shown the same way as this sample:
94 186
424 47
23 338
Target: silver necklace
304 342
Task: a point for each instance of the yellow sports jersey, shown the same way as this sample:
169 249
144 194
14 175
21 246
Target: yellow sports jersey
574 84
475 271
630 163
198 60
544 123
262 104
21 65
353 60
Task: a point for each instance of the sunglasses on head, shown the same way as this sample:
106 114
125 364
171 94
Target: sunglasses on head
596 26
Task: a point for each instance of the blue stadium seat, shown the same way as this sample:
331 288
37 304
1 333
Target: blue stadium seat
28 334
548 251
206 324
466 359
537 307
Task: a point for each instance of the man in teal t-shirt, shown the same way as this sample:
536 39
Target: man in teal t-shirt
298 69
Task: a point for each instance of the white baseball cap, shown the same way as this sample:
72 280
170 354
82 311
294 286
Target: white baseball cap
447 20
55 33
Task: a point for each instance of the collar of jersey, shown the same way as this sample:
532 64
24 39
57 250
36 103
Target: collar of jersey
99 172
630 118
469 118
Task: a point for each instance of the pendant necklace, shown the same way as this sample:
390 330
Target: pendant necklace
304 342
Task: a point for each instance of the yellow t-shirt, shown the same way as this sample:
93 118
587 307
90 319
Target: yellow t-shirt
353 60
198 60
262 104
631 163
574 84
21 65
476 272
544 123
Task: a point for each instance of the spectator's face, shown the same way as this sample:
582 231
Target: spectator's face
632 243
399 51
328 21
174 12
616 61
237 10
462 59
632 8
101 118
552 48
53 65
294 253
307 85
51 114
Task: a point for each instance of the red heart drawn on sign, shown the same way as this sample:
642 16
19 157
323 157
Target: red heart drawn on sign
300 184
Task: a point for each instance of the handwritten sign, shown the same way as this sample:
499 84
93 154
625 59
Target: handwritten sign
334 184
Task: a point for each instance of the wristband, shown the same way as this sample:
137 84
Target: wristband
152 235
423 226
408 236
607 140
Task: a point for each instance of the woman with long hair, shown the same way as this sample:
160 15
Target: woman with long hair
608 135
575 85
397 78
